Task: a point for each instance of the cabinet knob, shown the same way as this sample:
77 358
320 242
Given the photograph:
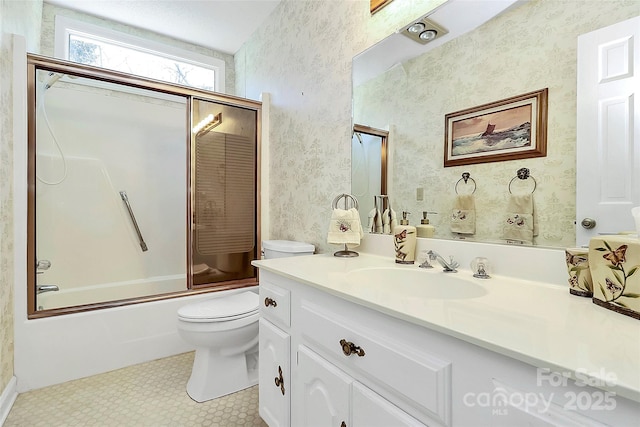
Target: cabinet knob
349 348
268 301
343 424
279 380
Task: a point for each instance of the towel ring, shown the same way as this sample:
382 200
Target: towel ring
347 198
466 176
523 174
346 252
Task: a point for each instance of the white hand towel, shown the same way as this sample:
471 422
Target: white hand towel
378 220
463 217
371 225
345 228
394 220
520 224
386 221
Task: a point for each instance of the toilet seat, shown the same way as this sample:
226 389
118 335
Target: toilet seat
224 309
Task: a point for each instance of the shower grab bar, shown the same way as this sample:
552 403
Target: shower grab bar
125 199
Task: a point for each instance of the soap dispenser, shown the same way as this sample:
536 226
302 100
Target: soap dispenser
425 229
404 239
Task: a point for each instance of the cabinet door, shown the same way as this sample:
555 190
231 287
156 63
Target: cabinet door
372 410
322 392
275 379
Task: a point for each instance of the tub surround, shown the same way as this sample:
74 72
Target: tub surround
538 323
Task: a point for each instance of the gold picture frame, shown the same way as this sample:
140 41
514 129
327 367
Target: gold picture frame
509 129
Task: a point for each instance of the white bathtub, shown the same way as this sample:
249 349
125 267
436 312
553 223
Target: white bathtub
111 291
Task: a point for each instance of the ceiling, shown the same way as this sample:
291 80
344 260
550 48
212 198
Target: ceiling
222 25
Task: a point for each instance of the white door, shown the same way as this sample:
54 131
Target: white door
324 393
608 129
274 383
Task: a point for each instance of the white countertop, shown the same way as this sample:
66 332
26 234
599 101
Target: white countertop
537 323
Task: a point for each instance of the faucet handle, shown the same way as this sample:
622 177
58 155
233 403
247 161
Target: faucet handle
453 263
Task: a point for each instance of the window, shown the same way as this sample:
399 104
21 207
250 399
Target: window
92 45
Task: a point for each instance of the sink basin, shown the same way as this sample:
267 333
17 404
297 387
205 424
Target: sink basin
414 283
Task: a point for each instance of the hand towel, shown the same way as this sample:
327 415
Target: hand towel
378 222
394 220
345 228
386 221
520 224
371 225
463 217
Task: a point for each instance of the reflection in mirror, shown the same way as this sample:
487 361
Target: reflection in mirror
368 165
522 47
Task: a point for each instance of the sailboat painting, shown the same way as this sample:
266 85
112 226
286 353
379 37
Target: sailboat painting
514 128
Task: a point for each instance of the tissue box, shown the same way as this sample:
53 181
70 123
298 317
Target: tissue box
614 262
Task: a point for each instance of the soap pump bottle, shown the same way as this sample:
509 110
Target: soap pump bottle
425 229
404 239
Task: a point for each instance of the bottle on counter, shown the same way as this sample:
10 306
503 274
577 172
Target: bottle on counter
404 239
425 229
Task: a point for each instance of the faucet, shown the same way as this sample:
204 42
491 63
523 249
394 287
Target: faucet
448 267
46 288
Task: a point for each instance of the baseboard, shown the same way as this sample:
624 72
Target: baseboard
7 398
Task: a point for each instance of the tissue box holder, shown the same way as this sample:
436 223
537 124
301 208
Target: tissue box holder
614 262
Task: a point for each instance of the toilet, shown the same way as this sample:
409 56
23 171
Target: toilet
224 332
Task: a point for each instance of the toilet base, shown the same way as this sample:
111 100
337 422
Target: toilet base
214 375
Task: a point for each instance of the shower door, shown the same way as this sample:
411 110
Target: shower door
224 202
110 191
138 190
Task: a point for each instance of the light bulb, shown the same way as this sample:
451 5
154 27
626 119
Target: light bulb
428 35
416 28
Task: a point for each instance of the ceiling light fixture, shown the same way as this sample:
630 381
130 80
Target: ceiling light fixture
423 30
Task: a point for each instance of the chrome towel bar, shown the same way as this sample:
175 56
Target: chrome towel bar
125 199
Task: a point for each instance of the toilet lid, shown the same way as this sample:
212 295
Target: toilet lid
230 307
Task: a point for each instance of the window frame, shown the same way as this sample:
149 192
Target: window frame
65 27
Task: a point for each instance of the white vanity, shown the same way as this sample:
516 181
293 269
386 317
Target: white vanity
365 342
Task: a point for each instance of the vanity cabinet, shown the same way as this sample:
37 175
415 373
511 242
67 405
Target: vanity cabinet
330 397
349 363
274 382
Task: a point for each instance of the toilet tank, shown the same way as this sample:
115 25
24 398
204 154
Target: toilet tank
285 248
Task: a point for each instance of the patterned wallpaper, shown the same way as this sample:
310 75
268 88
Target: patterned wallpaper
526 49
18 18
302 56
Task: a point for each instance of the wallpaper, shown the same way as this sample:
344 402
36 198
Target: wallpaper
526 49
18 18
302 56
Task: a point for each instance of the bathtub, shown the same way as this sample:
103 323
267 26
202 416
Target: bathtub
111 291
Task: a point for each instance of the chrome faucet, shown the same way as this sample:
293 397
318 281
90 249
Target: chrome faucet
448 267
46 288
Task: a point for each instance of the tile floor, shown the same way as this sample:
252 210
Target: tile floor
149 394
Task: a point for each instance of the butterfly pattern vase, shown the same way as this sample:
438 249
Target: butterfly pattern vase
614 262
580 282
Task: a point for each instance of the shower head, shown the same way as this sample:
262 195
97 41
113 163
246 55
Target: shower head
53 78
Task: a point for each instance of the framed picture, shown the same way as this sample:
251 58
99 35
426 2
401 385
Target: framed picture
513 128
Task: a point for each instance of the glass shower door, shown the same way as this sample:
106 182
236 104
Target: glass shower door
224 202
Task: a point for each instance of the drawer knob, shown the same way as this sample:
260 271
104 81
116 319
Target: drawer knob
279 380
268 301
343 424
349 348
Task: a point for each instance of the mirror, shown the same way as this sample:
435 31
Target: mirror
512 48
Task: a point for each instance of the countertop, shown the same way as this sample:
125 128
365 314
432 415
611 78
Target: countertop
537 323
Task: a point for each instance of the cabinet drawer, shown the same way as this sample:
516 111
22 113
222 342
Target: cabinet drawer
380 359
275 304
